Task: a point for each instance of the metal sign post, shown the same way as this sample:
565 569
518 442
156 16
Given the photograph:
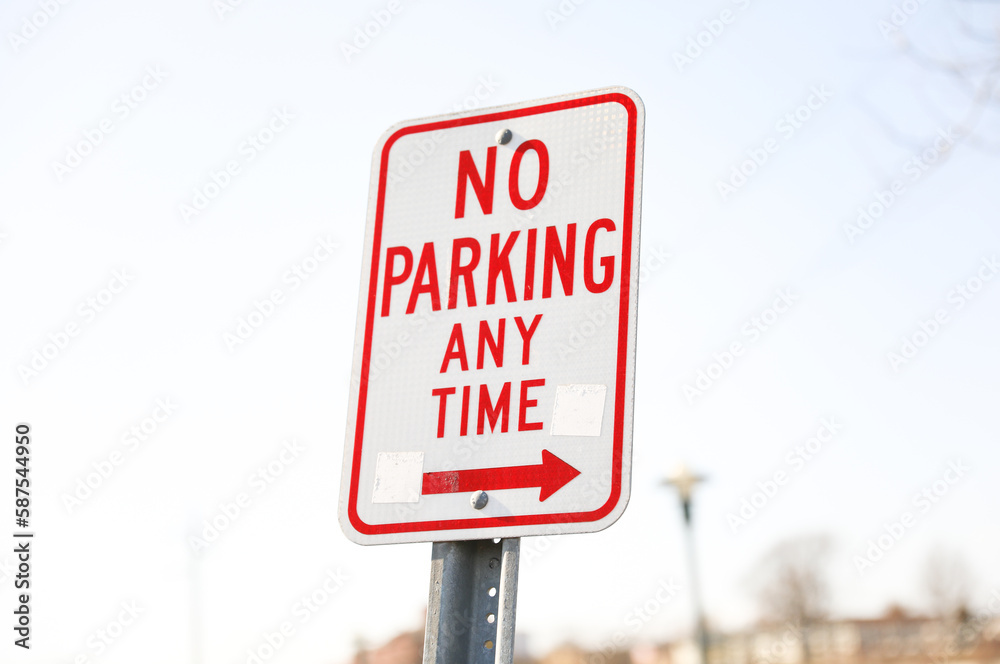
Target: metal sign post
473 597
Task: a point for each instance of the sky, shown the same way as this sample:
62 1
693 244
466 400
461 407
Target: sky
818 188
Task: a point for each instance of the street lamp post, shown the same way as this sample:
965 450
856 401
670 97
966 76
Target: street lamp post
684 481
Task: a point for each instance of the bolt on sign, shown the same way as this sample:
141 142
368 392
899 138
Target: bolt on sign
494 363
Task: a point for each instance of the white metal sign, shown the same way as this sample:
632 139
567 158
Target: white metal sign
494 362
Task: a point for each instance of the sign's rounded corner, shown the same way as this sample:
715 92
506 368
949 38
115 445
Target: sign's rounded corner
632 95
393 133
615 512
349 522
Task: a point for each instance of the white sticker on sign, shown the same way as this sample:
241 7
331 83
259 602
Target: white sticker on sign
398 476
578 410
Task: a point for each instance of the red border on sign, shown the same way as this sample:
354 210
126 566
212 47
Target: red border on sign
623 318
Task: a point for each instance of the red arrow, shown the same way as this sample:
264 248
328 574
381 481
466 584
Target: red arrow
550 475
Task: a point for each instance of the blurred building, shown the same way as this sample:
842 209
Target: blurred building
896 638
407 648
893 639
